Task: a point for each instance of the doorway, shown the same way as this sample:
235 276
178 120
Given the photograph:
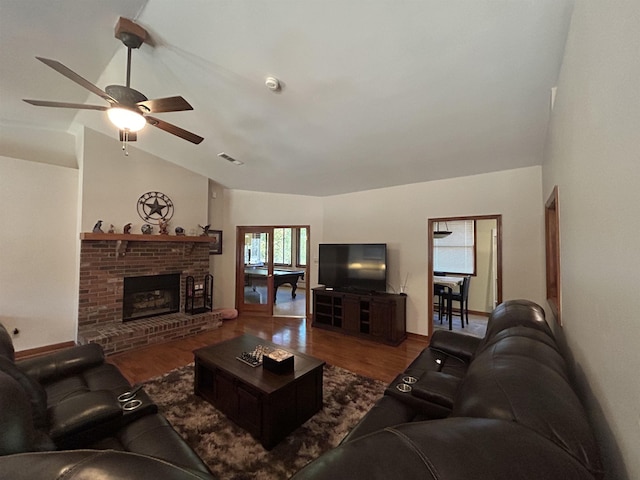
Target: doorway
271 270
487 279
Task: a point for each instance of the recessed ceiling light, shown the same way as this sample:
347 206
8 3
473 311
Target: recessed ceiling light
229 158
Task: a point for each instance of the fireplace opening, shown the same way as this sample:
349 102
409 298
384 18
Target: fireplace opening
150 296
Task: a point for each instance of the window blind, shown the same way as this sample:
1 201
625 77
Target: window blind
455 253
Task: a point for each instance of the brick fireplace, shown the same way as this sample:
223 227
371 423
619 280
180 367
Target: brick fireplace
107 259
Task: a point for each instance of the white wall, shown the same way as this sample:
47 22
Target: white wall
594 158
243 208
113 182
398 217
38 252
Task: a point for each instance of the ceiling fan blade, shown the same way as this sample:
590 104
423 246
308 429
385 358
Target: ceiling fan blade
81 106
128 136
168 104
177 131
71 75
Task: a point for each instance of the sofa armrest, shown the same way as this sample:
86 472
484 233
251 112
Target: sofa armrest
62 363
455 344
386 412
436 387
82 412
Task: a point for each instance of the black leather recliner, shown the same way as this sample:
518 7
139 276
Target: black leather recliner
69 400
73 392
507 410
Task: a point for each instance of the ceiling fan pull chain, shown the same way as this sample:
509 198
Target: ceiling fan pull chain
125 138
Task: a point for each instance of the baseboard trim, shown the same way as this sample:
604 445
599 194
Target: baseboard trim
34 352
417 336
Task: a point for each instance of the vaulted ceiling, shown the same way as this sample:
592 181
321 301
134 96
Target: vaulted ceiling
374 93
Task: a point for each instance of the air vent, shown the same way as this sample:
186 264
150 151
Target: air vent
230 159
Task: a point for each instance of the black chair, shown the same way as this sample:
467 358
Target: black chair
463 298
442 293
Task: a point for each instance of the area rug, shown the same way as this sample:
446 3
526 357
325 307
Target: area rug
233 454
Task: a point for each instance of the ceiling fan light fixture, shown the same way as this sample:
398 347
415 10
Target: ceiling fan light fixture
126 119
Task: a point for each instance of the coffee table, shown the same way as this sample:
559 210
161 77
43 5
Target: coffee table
268 405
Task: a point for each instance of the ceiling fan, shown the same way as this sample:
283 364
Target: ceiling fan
128 109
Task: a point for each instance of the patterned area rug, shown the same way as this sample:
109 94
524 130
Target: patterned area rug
233 454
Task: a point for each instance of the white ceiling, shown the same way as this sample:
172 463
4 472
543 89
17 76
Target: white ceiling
376 92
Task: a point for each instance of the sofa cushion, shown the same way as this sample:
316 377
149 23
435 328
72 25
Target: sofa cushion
524 391
102 377
517 312
93 465
33 390
81 413
106 377
153 435
64 388
451 448
526 342
17 431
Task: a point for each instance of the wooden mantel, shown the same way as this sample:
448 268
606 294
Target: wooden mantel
139 237
123 239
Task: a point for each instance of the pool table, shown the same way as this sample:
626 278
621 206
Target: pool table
280 277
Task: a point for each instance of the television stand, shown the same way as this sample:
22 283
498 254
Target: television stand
376 316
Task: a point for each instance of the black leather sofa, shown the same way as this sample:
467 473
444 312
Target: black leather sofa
500 407
61 417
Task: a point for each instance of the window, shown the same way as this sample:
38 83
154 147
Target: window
255 249
301 255
456 253
282 246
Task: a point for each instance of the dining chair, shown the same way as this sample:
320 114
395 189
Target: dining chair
463 298
441 292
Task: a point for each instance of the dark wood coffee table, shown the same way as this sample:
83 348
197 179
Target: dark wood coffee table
267 405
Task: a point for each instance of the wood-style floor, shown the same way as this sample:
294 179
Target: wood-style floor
371 359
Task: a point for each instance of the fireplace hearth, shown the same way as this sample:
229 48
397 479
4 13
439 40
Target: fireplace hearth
150 295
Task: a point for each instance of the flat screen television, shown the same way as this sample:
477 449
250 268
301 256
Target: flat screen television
353 266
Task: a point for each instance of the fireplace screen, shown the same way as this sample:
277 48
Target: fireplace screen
150 296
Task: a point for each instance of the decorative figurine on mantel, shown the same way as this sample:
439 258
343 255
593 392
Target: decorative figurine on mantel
126 229
112 229
163 225
205 230
97 228
147 229
180 231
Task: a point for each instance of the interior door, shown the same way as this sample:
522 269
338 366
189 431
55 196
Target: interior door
254 270
495 251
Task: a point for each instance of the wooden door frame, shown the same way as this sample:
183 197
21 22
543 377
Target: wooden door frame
240 231
265 309
431 222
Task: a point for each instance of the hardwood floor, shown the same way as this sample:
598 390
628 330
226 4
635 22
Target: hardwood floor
382 362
